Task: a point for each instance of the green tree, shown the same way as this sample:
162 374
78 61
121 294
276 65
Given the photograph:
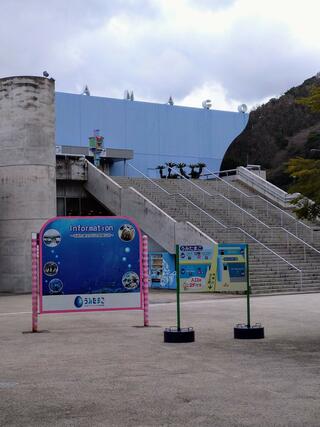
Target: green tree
181 167
312 100
306 172
161 169
306 175
170 166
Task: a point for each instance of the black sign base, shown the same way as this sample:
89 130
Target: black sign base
243 332
178 336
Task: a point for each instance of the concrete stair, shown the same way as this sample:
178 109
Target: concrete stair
284 252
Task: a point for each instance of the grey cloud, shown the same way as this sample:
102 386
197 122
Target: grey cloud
262 60
33 30
72 39
211 4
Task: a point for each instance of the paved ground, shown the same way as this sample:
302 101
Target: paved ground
102 369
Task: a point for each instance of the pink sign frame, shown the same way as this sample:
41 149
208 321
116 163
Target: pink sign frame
37 267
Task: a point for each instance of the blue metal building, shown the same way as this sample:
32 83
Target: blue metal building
157 133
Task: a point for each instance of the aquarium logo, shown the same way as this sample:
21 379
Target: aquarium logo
78 302
93 301
88 301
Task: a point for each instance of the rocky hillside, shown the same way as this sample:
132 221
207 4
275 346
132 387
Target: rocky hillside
277 131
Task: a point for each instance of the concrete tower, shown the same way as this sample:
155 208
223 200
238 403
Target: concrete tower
27 173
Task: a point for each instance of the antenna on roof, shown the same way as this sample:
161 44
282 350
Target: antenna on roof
86 91
242 108
207 104
170 101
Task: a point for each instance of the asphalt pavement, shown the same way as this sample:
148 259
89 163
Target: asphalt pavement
106 369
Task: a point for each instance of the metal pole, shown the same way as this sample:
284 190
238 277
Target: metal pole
178 287
145 281
34 257
248 286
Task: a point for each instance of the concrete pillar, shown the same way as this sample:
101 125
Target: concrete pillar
27 173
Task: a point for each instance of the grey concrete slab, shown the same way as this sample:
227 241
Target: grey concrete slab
101 369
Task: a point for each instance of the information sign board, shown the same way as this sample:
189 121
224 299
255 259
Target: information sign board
90 264
218 268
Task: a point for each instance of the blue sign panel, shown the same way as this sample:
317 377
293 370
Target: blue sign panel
90 263
220 268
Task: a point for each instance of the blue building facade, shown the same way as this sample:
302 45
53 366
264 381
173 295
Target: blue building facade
157 133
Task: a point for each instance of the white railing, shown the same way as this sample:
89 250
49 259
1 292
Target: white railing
231 172
249 236
265 187
258 221
269 206
146 177
216 221
305 244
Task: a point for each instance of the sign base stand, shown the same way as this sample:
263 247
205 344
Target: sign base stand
178 334
181 335
245 332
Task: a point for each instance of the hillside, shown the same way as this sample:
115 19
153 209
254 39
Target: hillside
277 131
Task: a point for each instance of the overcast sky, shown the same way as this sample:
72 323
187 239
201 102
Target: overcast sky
229 51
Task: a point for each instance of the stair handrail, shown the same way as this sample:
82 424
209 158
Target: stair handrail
224 197
298 238
248 234
149 179
269 249
248 213
273 227
264 200
258 241
303 242
190 182
223 225
177 194
202 210
215 174
239 207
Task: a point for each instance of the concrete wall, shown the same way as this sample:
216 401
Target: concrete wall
103 188
153 221
27 173
71 168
